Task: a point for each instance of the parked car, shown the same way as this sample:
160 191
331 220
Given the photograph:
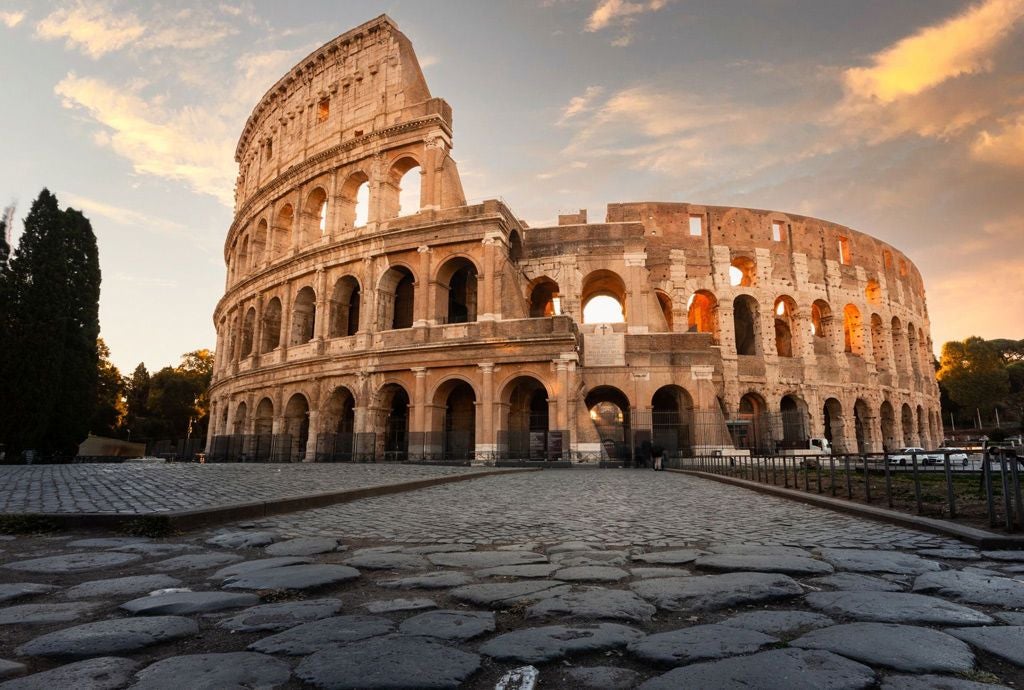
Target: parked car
955 454
905 456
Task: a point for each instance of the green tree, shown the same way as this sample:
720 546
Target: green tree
974 374
136 397
1010 351
110 396
50 367
177 397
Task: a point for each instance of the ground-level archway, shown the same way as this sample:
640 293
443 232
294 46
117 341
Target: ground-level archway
527 430
454 422
609 410
391 420
337 441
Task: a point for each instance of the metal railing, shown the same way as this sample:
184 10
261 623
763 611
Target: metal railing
983 489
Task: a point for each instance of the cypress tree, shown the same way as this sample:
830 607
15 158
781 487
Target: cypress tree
5 339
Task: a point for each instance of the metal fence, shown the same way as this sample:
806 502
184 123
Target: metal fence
178 450
982 489
255 448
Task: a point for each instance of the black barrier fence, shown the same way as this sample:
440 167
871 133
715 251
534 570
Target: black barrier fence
177 450
255 448
980 489
537 446
346 447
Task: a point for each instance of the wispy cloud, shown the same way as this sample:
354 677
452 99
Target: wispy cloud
960 45
620 14
11 19
580 104
94 29
1002 146
123 216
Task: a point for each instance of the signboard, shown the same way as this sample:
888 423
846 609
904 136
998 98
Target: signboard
604 349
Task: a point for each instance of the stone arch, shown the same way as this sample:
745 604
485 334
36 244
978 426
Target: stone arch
338 415
907 424
456 281
742 272
402 193
296 425
543 293
345 307
515 247
526 405
263 421
878 344
610 410
890 441
746 325
248 326
270 328
243 261
832 416
259 243
862 425
821 326
665 303
702 314
454 416
749 427
853 331
233 334
785 326
314 216
603 285
873 293
396 294
354 201
304 316
241 416
922 430
672 420
284 226
391 420
796 423
912 351
899 351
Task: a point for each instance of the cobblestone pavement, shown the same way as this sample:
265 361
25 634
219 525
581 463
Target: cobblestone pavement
600 506
612 579
153 488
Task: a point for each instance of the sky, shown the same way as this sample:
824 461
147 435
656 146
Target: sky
901 119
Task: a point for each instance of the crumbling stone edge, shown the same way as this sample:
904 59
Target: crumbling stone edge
971 535
177 521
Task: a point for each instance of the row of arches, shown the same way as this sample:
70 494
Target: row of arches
275 234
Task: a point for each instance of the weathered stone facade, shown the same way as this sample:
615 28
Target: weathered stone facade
456 330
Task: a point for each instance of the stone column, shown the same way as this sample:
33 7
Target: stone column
486 297
638 291
332 231
314 430
296 222
485 434
322 317
419 401
286 321
423 309
562 394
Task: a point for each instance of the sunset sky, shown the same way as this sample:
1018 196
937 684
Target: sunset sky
901 119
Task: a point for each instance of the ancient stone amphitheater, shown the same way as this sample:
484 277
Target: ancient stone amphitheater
371 314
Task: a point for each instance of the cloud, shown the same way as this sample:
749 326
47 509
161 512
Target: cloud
191 145
11 19
580 104
1004 146
610 12
123 216
961 45
93 28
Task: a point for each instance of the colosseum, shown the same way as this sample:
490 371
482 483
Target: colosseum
371 314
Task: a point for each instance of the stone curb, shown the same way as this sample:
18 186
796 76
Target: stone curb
202 517
971 535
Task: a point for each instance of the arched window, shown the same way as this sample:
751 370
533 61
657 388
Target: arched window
907 422
240 416
242 263
853 331
543 298
898 348
314 216
742 271
785 320
270 329
604 298
247 331
303 316
873 293
702 313
832 413
396 302
746 325
878 344
354 201
457 290
402 196
284 226
259 244
344 308
515 247
665 302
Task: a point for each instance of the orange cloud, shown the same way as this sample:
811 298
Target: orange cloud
92 28
1004 146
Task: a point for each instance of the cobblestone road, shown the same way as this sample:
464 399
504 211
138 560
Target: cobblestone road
600 506
154 488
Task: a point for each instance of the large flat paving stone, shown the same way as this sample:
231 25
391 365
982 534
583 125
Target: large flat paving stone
895 607
395 605
281 615
760 563
710 592
327 633
538 645
613 604
302 546
856 582
1008 555
389 662
104 673
259 564
650 573
1006 641
156 549
107 542
178 603
761 550
933 682
115 636
697 643
973 588
74 562
388 561
241 540
531 570
442 579
12 591
673 557
423 549
602 677
43 614
293 577
1011 617
485 559
449 625
778 669
575 559
872 561
956 554
214 672
121 586
902 647
778 622
195 561
501 594
591 573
